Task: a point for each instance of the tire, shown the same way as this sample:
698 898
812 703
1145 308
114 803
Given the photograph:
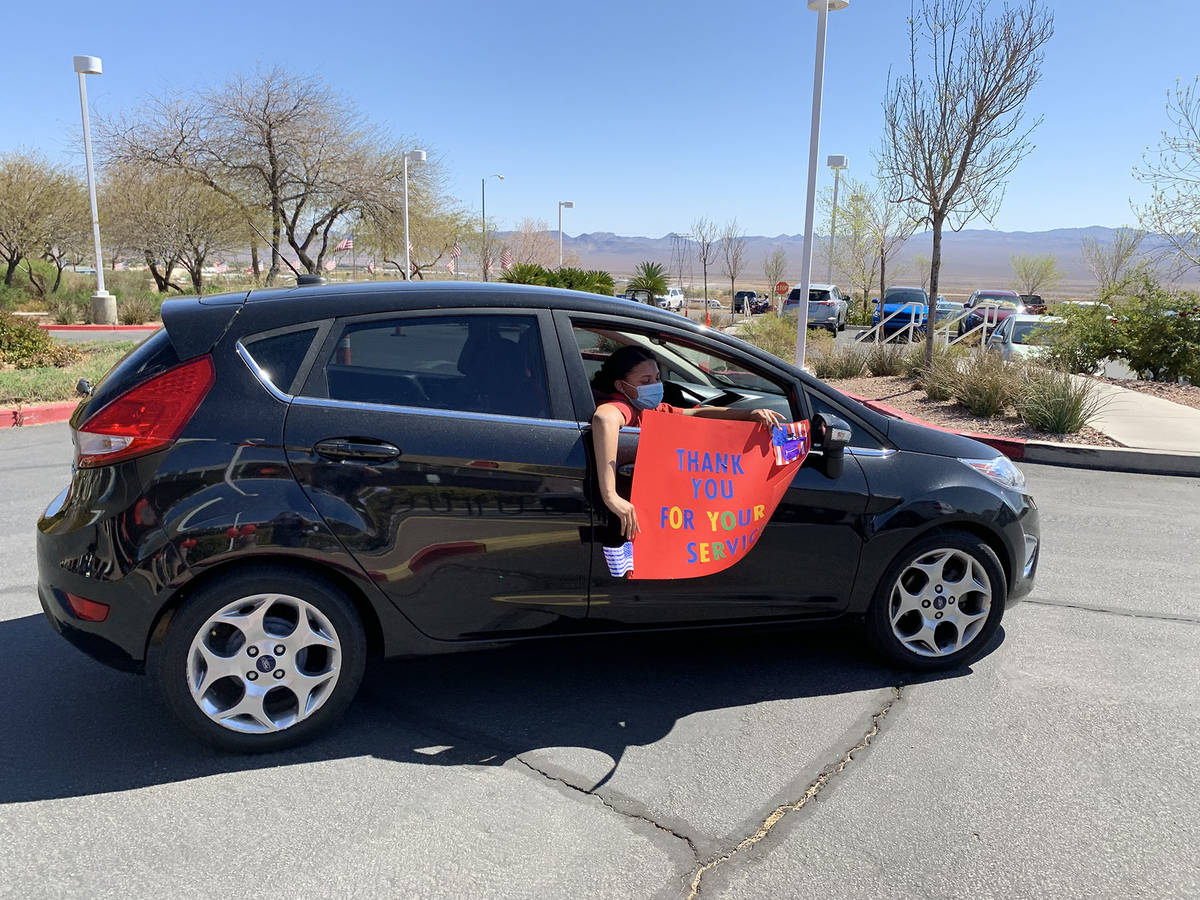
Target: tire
225 640
919 627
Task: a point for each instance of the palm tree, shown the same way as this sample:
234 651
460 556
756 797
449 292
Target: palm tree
526 273
650 276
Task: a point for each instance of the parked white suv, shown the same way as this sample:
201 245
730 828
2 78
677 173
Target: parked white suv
674 300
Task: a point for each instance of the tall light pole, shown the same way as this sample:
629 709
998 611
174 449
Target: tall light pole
562 204
822 7
409 156
483 260
104 304
837 163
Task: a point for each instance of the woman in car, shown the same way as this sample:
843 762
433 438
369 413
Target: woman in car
627 383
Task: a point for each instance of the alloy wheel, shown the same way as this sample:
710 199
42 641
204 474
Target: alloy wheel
940 602
263 663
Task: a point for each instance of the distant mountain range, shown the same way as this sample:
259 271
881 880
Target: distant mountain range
970 259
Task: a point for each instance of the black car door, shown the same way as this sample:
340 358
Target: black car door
441 448
805 561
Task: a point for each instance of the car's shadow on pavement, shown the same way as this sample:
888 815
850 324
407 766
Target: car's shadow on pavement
72 727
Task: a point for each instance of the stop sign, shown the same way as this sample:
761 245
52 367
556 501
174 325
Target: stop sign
782 287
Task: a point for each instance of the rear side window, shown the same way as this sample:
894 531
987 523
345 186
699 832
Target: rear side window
484 364
280 356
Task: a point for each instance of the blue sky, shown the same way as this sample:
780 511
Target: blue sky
646 115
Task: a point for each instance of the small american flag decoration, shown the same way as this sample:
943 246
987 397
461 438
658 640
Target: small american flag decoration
619 559
790 442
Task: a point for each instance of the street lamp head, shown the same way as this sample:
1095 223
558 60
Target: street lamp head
834 5
837 162
88 65
498 175
566 204
414 155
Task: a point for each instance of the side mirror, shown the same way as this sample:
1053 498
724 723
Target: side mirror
831 435
875 300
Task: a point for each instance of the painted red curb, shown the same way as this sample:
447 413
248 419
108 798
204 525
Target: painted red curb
48 327
37 414
1013 448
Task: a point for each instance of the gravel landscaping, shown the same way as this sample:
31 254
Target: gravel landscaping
899 392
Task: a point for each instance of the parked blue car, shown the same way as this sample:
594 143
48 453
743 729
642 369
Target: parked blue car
903 304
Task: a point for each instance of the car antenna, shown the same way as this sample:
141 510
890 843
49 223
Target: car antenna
301 280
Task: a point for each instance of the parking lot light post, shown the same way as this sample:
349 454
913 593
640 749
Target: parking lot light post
837 163
562 204
409 156
483 258
822 8
104 304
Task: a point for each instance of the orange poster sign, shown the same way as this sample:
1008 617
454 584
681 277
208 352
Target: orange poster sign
704 489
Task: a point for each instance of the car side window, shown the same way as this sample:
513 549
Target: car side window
860 438
692 375
484 364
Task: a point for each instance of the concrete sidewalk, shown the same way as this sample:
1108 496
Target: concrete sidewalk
1145 422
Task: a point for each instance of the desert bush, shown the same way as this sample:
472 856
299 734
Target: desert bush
135 310
1083 340
857 315
64 307
987 385
939 379
886 359
842 362
1158 334
28 347
1057 402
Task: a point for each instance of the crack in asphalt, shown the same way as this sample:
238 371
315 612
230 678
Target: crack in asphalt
1117 611
813 789
629 815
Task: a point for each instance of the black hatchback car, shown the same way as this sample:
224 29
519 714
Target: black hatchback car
277 484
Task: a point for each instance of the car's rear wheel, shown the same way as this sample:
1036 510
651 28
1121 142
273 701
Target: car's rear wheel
939 603
261 660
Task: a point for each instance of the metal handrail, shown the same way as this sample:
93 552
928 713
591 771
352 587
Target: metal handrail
876 330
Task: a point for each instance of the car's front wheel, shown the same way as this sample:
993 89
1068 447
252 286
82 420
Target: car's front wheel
939 603
261 660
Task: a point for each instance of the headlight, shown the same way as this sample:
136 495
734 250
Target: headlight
1000 469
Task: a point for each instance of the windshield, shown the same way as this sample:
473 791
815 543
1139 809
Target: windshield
996 299
903 296
818 296
1004 303
1035 333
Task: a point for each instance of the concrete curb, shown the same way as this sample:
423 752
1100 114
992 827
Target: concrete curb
1078 456
37 414
46 326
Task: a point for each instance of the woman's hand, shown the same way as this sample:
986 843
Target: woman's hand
766 417
624 511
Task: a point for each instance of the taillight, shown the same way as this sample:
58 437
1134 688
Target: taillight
146 418
88 610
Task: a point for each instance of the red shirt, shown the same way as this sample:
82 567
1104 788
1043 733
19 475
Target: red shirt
632 414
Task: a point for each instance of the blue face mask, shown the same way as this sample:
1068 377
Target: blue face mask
648 396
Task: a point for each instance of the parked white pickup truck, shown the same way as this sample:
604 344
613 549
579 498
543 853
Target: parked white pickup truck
674 299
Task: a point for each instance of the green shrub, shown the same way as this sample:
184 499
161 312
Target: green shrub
771 333
1158 334
64 308
1057 402
28 347
986 385
1083 340
842 362
10 296
886 359
857 315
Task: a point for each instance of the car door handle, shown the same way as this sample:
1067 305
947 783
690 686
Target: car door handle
626 470
350 450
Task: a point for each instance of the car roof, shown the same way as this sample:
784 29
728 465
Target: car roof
1022 318
1003 292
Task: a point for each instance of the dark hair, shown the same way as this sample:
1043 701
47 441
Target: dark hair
618 365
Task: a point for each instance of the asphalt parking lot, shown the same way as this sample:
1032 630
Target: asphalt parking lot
1064 762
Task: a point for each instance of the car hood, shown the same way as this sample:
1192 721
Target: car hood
916 438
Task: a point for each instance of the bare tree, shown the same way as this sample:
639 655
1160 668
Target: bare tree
35 208
681 253
1034 274
1173 174
774 267
1112 264
890 226
954 125
705 235
71 233
856 251
278 143
921 266
733 252
533 243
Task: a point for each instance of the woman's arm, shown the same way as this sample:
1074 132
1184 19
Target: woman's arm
767 417
606 429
